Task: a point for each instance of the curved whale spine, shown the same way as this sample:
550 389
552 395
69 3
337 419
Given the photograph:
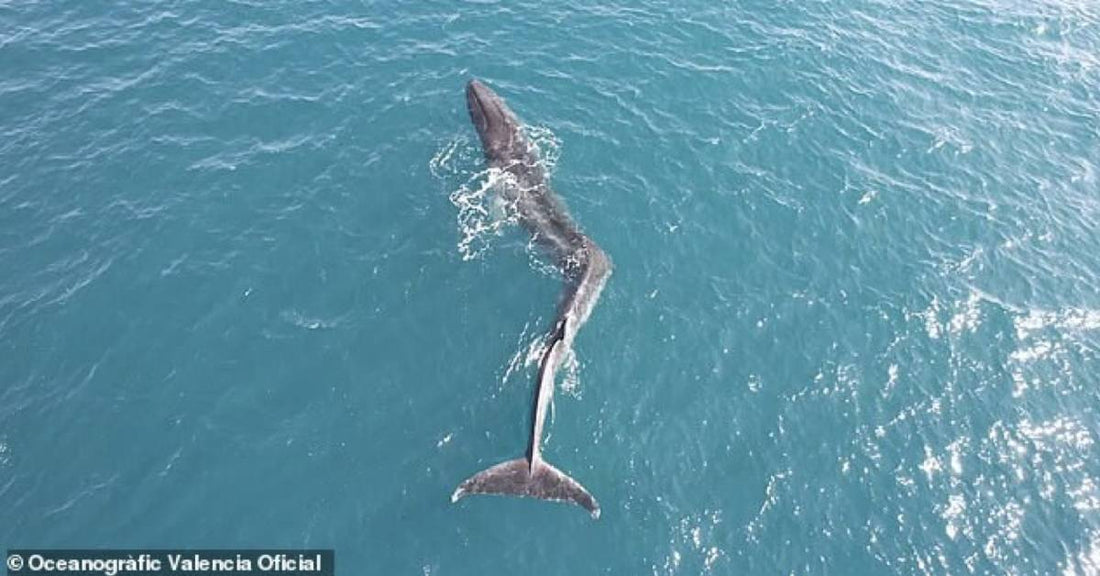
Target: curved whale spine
586 269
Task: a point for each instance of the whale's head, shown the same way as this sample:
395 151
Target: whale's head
498 127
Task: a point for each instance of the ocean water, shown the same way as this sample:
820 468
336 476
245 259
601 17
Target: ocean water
255 290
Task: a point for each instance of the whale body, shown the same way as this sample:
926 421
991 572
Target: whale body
585 268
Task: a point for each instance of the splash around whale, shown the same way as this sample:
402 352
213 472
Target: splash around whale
585 268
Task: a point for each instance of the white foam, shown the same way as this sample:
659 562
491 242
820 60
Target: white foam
1088 561
483 212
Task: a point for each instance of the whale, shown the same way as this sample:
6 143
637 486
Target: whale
584 267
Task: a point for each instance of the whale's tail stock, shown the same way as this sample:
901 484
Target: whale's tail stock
534 479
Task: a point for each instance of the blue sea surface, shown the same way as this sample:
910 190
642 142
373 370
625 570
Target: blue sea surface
256 289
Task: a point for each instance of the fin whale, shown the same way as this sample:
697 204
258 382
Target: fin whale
585 268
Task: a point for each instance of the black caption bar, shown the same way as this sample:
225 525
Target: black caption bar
165 562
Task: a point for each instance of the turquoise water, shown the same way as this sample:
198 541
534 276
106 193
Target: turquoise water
253 291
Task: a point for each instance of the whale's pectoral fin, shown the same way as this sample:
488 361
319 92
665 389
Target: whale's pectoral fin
519 478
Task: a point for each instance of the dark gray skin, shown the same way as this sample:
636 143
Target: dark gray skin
585 268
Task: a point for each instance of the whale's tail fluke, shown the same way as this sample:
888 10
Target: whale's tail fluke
521 477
